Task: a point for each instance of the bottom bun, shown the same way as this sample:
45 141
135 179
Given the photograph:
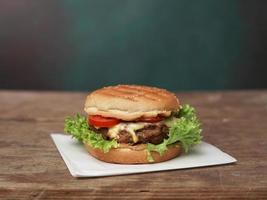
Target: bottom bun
137 154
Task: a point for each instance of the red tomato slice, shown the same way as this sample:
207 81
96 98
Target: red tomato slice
99 121
151 119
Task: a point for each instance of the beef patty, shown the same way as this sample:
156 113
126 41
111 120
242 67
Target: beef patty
153 133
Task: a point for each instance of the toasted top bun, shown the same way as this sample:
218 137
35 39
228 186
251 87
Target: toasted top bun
130 102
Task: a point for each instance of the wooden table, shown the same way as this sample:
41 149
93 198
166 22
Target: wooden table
31 167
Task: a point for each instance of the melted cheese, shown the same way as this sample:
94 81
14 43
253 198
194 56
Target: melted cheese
129 127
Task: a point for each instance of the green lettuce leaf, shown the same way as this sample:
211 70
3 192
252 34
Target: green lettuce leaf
79 129
184 128
183 125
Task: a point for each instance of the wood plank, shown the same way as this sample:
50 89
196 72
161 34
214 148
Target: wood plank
31 167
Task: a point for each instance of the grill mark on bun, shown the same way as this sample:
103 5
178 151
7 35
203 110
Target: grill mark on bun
136 93
146 89
142 91
118 94
129 93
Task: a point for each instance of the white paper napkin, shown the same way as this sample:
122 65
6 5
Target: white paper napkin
81 164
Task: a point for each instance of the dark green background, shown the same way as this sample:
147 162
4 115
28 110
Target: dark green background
176 44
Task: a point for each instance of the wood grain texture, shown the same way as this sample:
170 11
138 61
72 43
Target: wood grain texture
31 167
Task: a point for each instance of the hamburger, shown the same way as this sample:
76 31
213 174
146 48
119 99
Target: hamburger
132 124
